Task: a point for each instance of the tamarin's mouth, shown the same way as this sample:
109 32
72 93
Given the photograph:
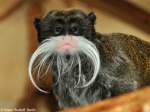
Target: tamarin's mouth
67 56
66 44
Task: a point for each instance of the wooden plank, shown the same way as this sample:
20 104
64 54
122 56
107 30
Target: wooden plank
123 10
15 5
138 101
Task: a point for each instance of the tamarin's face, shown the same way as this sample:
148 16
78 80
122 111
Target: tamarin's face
62 23
65 39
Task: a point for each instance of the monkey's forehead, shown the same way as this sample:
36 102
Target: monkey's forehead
66 13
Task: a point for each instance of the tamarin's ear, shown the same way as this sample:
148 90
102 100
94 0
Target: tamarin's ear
37 24
92 17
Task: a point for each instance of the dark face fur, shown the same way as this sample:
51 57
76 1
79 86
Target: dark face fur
66 47
72 22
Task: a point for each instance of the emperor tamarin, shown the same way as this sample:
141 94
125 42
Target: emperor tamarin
87 66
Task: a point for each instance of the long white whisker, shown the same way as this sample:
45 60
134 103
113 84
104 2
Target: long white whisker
31 77
96 69
37 66
68 66
50 64
79 62
48 67
71 63
43 48
91 51
41 65
43 62
58 68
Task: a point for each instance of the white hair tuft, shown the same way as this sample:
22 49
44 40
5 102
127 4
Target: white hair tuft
49 47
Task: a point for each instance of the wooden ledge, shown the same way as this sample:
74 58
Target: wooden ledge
138 101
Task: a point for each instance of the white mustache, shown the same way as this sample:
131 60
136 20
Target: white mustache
48 47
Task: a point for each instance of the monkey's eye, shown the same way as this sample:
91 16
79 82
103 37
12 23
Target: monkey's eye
75 29
58 29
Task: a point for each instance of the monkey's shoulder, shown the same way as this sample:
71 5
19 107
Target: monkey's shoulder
115 45
120 37
121 40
